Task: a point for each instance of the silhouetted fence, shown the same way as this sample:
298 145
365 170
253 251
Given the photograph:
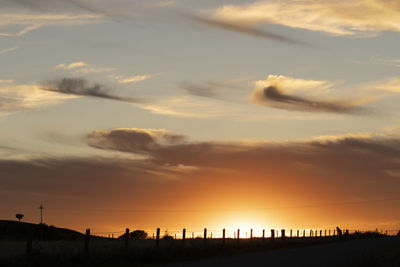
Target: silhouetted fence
221 236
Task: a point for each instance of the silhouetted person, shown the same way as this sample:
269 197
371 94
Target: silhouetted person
339 231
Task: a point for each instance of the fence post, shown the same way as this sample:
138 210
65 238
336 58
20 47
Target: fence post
158 237
283 233
126 238
87 239
205 234
304 233
310 233
183 234
223 236
238 235
298 232
263 235
325 233
251 234
329 232
272 234
291 232
320 233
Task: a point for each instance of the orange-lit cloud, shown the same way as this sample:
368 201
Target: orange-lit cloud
70 66
82 67
14 97
339 18
390 85
132 79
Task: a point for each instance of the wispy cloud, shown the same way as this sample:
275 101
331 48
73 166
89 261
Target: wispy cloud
15 97
377 60
26 22
132 79
31 15
390 85
81 87
245 29
280 92
185 106
83 68
94 70
70 66
332 17
6 81
163 3
7 50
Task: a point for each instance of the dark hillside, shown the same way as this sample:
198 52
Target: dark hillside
12 230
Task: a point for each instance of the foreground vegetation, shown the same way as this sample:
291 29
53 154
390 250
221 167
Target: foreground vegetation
385 257
112 252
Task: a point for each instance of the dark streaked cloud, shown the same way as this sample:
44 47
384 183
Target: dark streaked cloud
81 87
234 27
204 90
210 88
350 153
272 95
133 139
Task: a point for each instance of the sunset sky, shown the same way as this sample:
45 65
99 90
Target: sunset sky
187 113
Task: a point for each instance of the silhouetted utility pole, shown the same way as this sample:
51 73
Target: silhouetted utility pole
41 221
41 213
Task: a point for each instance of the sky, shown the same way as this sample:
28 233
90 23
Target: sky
259 114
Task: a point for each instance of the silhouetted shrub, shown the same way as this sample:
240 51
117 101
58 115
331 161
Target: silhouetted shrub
167 237
137 234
